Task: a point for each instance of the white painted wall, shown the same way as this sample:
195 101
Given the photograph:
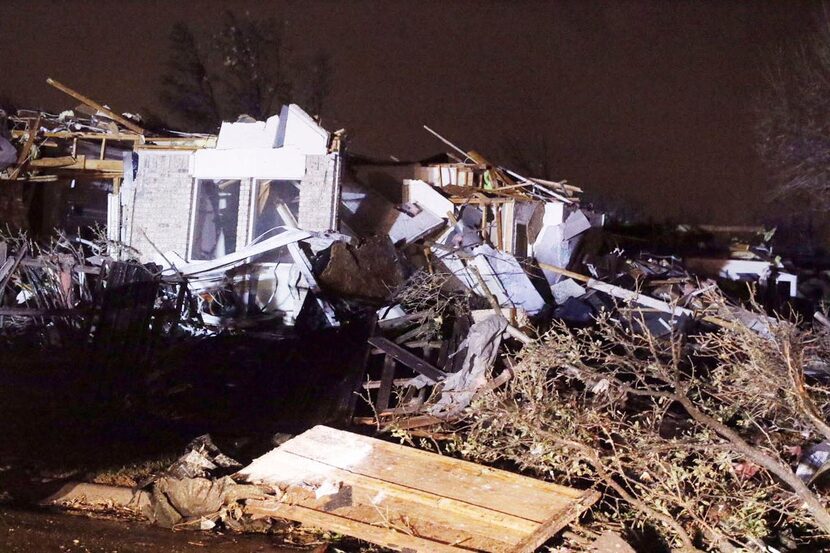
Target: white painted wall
242 163
257 134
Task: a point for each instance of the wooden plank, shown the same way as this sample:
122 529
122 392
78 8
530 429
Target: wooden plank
557 522
499 229
564 272
6 267
27 147
494 489
32 178
407 358
411 334
373 501
95 105
63 161
9 271
79 163
186 147
386 380
403 321
386 537
87 135
376 384
403 498
424 344
418 421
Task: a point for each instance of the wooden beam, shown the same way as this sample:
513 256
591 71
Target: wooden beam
79 163
95 105
376 384
564 272
402 321
24 153
32 178
387 537
637 297
124 137
386 380
557 522
407 358
401 497
9 271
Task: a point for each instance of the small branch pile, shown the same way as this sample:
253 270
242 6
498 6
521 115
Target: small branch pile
430 294
46 278
696 436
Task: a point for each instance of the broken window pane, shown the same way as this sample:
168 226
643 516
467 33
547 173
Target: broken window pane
273 196
217 215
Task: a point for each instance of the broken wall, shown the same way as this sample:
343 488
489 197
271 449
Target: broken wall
320 193
157 206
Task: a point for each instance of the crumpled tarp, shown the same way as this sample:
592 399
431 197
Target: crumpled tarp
195 488
482 345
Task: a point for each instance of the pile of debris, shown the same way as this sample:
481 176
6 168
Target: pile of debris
344 482
270 225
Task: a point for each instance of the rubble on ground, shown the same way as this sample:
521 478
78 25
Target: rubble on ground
456 262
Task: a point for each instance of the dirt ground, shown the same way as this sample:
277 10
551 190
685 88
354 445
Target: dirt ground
62 418
28 531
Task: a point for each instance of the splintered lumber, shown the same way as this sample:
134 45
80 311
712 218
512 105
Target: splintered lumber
619 292
95 105
407 358
402 321
406 499
27 147
79 163
636 297
9 267
84 136
385 391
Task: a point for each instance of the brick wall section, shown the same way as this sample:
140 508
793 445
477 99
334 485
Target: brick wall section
161 200
320 193
243 220
161 204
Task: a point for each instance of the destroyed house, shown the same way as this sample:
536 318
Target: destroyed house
205 203
253 217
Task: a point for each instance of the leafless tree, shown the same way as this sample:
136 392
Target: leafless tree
244 68
318 83
698 436
793 120
530 155
187 89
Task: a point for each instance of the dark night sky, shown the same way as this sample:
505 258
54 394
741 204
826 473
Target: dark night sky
644 103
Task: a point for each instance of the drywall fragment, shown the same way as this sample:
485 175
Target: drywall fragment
565 289
299 131
575 224
506 279
426 196
407 228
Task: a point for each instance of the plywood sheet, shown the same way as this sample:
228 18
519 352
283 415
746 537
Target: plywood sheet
408 499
